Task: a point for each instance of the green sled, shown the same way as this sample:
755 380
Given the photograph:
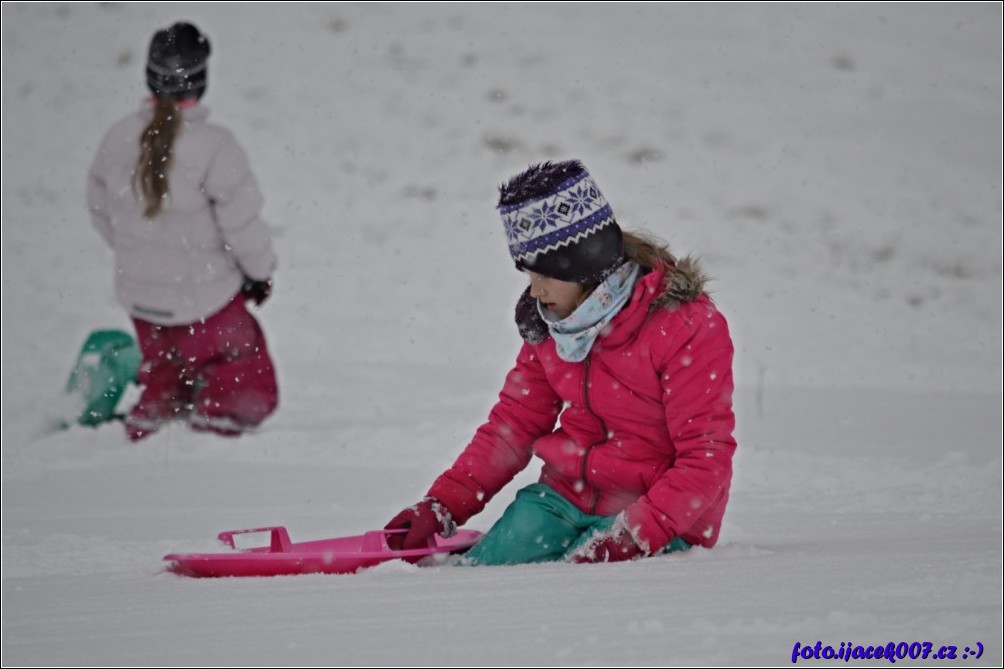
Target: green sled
107 363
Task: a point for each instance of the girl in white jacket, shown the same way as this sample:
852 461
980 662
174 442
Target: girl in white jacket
174 197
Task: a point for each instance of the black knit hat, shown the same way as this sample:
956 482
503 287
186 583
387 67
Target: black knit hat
176 65
559 224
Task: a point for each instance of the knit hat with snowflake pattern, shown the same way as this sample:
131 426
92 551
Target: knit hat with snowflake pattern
558 223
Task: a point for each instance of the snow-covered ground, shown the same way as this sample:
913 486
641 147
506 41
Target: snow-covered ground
837 167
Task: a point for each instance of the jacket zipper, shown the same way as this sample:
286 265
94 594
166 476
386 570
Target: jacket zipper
603 428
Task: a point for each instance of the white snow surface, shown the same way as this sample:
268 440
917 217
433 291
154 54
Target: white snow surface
836 167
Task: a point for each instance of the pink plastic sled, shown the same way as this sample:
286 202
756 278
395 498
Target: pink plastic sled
341 555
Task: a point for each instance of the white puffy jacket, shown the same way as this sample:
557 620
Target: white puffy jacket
191 259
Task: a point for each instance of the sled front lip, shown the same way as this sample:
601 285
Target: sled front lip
340 555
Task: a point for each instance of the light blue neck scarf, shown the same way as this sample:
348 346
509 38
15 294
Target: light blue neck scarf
575 334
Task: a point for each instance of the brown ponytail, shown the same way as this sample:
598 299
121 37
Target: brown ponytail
685 279
155 154
647 250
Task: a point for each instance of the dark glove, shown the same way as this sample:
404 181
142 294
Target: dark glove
422 520
258 291
614 544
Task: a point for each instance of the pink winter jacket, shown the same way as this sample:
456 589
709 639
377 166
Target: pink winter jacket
646 419
191 259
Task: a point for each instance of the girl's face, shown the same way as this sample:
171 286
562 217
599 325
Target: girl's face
561 297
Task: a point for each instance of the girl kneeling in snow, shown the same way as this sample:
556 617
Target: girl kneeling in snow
174 197
623 344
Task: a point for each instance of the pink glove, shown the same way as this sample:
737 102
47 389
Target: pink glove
422 520
614 544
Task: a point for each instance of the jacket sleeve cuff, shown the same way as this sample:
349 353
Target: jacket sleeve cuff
461 500
646 532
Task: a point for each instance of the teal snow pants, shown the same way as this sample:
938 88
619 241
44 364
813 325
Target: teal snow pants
542 526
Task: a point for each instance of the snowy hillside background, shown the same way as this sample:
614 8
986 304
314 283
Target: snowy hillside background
838 169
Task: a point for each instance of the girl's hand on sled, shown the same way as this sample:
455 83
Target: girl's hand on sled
422 520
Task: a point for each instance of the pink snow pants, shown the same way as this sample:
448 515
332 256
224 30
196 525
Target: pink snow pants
217 373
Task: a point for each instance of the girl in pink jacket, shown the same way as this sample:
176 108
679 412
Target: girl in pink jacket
623 388
174 197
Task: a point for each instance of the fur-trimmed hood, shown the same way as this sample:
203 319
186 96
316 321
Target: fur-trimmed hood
684 281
